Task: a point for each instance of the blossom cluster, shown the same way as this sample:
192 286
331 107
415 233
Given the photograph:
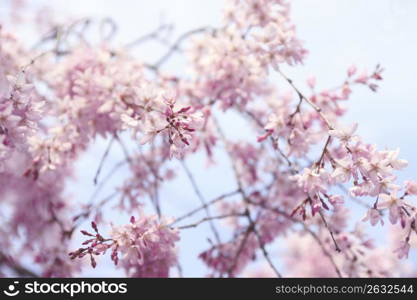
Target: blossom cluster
147 246
298 174
231 65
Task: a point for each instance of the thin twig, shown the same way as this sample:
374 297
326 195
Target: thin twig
176 45
17 268
149 36
103 158
262 246
200 208
106 179
211 218
308 230
202 199
330 231
239 251
252 225
304 98
124 149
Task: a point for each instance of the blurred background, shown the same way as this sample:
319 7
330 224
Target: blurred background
337 35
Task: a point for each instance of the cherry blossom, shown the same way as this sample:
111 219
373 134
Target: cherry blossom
296 181
393 204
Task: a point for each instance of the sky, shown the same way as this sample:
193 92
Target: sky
337 35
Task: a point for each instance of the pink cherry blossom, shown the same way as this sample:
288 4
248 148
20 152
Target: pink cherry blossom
344 134
411 187
293 177
393 204
403 250
373 216
147 246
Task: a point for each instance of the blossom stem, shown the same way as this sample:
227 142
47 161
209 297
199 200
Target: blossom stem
304 98
103 158
210 219
202 199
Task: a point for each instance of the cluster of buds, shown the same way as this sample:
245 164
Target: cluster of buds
365 79
178 124
95 245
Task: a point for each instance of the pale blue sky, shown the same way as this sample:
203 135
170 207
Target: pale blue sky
337 34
